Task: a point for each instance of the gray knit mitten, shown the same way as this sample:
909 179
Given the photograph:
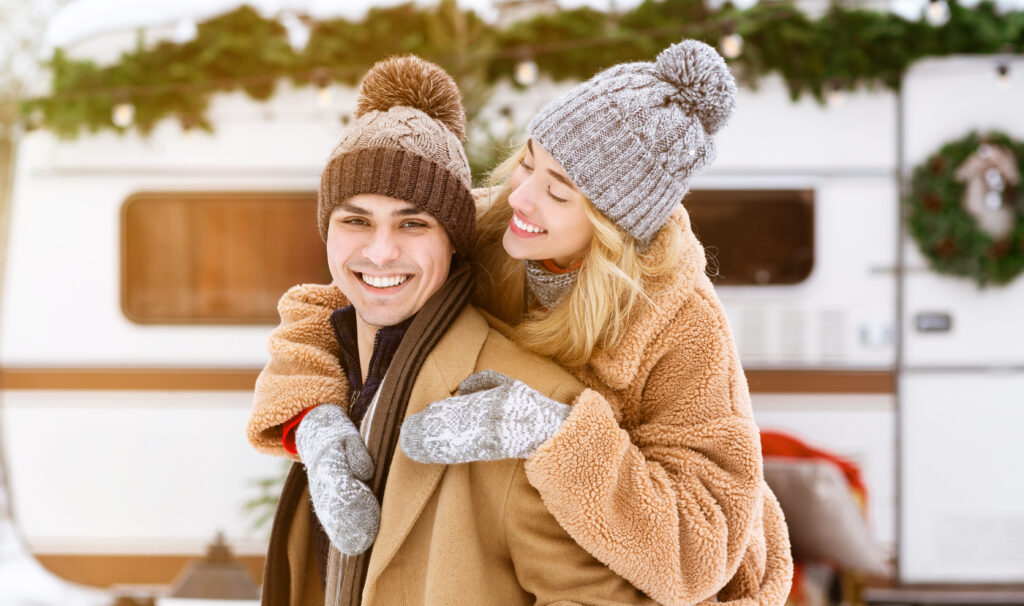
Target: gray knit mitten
493 417
338 466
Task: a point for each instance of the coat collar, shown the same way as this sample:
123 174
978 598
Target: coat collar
618 367
411 484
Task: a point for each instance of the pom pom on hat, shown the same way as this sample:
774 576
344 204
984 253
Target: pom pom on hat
705 86
413 82
405 143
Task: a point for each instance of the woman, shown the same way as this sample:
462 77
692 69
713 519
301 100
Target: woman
584 249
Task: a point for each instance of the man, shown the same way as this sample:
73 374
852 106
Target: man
397 216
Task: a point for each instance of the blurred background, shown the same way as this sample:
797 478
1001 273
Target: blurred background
864 223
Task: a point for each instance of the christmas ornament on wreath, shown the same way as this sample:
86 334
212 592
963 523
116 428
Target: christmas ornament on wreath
966 208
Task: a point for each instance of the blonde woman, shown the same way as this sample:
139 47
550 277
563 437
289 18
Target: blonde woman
584 251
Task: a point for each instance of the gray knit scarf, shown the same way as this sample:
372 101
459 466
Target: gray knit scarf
548 288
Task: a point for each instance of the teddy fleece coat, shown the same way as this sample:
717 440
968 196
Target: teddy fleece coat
656 472
475 533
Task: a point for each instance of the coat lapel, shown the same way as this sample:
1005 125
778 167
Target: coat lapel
411 484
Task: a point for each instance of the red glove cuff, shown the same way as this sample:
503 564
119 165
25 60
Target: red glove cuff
288 431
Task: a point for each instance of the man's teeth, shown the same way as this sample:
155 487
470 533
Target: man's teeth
526 226
382 281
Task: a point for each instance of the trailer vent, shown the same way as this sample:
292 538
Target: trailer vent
793 334
752 338
832 333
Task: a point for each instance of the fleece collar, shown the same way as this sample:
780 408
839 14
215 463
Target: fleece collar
619 366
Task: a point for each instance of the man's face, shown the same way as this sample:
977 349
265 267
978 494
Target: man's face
387 256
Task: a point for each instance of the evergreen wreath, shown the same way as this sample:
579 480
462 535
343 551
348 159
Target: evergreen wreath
947 233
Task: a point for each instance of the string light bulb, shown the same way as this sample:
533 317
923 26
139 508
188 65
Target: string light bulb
321 78
508 123
937 12
188 123
1003 75
526 72
731 45
35 119
834 95
323 97
123 114
185 31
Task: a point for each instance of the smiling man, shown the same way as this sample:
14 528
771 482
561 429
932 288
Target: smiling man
388 256
398 219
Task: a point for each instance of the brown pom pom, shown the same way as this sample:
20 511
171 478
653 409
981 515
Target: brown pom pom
413 82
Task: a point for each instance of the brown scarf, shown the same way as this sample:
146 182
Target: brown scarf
345 585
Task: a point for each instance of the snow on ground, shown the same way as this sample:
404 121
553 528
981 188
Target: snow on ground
24 581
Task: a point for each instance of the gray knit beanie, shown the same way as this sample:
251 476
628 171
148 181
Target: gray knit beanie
633 135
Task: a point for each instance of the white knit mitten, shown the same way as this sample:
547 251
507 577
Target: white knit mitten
338 466
493 417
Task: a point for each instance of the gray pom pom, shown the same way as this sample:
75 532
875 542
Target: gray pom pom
705 86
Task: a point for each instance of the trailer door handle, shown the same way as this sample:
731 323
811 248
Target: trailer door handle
933 321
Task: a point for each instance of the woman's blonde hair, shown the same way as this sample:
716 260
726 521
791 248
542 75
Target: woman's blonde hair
596 312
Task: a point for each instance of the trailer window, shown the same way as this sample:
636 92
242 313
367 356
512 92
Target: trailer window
755 237
216 258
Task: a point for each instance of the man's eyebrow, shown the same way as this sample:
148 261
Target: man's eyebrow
529 145
352 208
561 178
408 211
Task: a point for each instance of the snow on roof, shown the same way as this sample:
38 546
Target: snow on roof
83 19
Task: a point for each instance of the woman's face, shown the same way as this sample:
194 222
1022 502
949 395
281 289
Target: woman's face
548 220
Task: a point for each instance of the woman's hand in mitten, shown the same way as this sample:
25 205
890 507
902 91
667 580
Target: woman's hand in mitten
493 417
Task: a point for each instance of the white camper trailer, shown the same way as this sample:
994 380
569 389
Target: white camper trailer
124 405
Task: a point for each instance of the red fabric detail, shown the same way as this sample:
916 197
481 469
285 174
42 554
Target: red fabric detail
555 269
776 444
796 593
288 431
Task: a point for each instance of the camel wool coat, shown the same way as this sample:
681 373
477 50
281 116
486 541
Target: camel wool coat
474 533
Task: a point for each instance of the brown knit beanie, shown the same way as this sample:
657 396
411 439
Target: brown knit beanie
405 142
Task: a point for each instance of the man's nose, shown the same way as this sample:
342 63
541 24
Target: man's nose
383 247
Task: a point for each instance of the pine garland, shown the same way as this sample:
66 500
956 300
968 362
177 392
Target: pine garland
946 233
846 48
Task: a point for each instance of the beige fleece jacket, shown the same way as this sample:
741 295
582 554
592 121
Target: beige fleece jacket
657 471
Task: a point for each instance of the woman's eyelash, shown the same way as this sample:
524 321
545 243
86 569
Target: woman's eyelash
553 196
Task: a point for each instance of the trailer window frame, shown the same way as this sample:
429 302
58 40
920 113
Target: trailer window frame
249 269
755 237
